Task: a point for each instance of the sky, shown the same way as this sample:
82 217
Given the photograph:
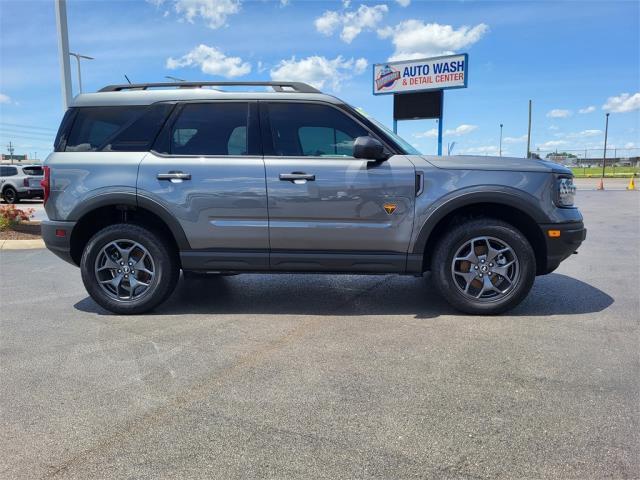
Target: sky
576 60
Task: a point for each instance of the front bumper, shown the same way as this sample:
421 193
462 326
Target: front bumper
561 247
57 238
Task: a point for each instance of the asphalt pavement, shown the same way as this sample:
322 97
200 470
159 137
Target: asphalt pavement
312 376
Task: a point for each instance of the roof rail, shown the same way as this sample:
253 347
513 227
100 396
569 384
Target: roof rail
297 87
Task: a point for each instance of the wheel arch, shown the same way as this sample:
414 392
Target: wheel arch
513 208
98 212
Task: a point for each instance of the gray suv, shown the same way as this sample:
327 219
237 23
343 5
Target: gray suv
150 179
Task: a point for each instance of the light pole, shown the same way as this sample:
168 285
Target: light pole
78 57
175 79
500 139
604 153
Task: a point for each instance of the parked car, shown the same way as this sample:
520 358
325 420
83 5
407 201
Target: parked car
149 179
20 181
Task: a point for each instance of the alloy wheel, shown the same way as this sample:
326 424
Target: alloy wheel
485 269
125 270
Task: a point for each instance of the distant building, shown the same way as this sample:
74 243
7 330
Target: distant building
16 158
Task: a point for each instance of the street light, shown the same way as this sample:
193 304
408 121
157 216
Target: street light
604 154
175 79
78 57
500 139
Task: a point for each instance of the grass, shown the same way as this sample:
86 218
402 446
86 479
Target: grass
610 172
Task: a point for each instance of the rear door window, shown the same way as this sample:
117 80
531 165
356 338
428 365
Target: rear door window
8 171
211 129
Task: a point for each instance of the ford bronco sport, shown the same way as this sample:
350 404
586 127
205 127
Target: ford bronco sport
150 179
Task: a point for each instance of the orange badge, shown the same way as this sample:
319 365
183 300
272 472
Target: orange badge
390 208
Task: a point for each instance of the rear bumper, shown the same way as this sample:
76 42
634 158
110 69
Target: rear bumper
560 248
52 234
31 193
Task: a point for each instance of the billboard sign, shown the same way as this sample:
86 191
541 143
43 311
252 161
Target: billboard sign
436 73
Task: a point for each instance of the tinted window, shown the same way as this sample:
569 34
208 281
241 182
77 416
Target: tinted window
64 130
299 129
35 171
93 126
139 135
8 171
211 129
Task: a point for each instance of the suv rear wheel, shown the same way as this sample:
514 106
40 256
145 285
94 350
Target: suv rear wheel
128 269
484 266
10 195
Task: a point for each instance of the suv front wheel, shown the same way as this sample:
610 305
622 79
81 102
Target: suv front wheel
128 269
483 266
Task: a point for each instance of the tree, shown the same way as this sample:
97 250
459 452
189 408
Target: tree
561 154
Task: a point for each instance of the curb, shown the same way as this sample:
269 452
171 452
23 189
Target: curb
21 244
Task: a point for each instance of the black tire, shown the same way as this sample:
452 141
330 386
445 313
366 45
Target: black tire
165 267
10 195
451 286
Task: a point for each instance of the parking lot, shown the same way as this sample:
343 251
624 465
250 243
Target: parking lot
311 376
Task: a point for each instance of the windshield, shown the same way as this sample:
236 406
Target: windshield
406 146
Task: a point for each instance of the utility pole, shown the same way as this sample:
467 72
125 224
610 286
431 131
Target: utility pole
529 133
63 52
10 149
500 139
78 57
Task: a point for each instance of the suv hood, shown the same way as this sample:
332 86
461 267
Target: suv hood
478 162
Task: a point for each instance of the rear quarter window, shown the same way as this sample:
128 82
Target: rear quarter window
118 128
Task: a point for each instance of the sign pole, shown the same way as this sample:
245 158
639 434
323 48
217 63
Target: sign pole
440 125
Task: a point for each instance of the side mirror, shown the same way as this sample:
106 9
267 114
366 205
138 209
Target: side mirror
368 148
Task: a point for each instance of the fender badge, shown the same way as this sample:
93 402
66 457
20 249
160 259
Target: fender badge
389 208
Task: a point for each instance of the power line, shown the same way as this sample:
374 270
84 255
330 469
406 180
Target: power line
12 131
31 127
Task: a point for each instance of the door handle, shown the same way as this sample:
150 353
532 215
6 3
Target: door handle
174 176
297 177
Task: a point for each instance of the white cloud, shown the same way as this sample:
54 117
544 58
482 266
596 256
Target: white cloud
351 22
213 12
6 99
629 145
460 130
554 127
433 133
404 3
559 113
415 39
623 103
588 109
589 133
520 139
551 144
453 132
319 71
484 150
284 3
211 61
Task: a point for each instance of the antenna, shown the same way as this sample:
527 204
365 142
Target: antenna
129 81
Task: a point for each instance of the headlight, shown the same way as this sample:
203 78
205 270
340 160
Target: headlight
566 192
